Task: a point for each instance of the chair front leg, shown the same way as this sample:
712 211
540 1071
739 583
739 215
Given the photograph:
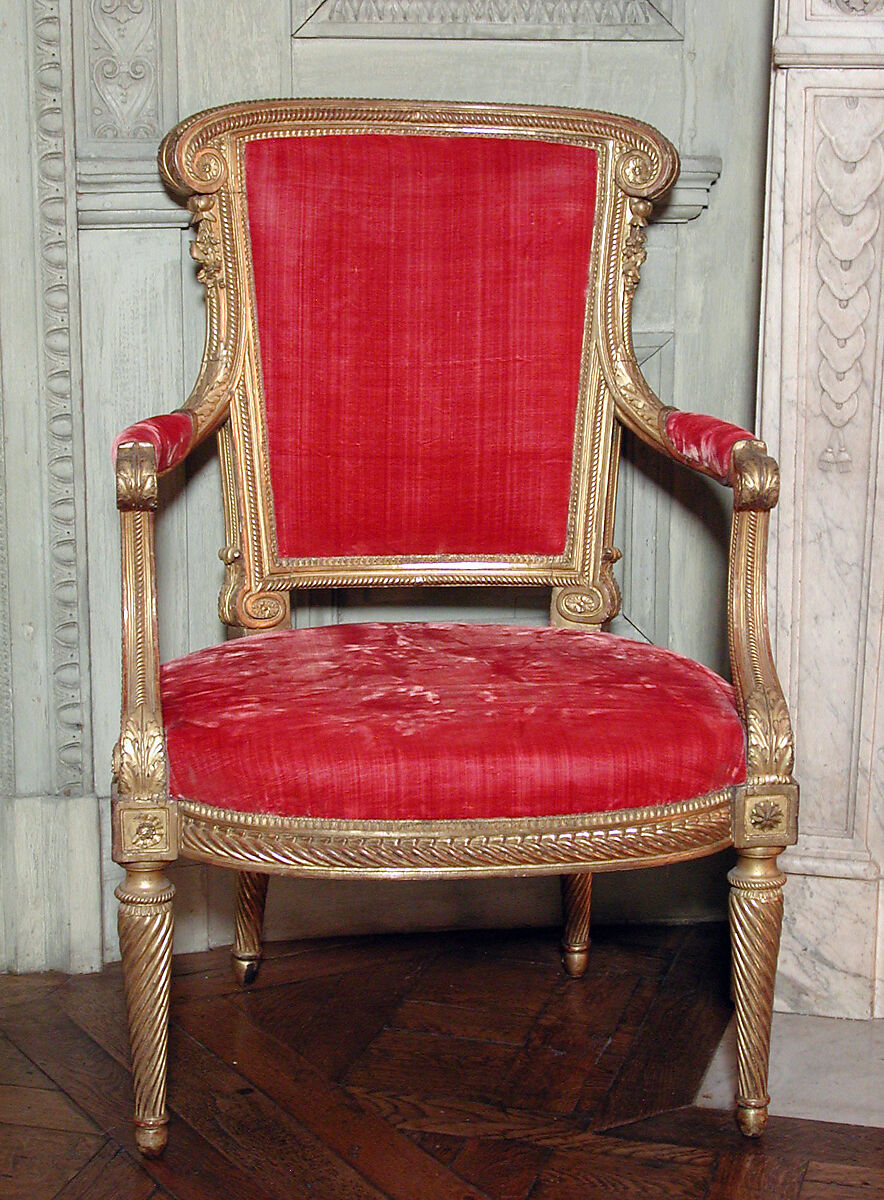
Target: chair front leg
251 896
144 920
756 915
576 900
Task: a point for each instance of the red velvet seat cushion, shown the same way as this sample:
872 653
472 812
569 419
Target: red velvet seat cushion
389 721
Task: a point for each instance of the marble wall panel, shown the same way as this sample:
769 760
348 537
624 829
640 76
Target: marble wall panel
821 384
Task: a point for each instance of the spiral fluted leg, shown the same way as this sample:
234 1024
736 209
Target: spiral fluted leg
251 895
576 899
756 915
144 920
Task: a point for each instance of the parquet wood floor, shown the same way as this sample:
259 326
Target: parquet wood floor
435 1067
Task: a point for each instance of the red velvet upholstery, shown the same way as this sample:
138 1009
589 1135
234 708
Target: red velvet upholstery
421 304
171 435
445 721
706 441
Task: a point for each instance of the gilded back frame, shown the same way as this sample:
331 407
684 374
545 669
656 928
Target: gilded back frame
202 160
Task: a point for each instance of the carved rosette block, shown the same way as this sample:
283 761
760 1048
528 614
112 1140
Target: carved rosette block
144 921
766 814
576 903
251 896
756 915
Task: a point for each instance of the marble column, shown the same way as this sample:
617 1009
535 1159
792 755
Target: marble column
822 370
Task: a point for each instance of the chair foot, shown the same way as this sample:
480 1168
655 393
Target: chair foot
251 897
576 899
575 960
151 1139
245 969
751 1119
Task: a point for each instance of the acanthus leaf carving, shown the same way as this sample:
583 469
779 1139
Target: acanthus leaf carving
140 755
756 477
136 473
770 744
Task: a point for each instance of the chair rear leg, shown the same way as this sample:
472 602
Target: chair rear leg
251 896
144 920
576 899
756 915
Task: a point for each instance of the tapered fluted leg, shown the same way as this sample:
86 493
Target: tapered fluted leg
251 895
756 915
576 898
144 921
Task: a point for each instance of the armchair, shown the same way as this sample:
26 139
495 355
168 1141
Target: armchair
417 364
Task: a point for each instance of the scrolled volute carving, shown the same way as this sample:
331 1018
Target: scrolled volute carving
139 765
262 610
587 604
136 468
770 748
639 172
755 477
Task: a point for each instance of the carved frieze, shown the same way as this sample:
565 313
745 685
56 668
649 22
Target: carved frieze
849 171
657 20
53 152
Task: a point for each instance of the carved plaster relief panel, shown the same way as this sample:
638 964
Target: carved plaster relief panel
531 20
816 32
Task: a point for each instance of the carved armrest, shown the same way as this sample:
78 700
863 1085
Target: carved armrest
144 818
172 436
767 809
726 452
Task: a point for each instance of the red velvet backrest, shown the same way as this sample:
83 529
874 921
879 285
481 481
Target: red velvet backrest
421 305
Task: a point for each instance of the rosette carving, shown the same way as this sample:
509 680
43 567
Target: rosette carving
587 605
263 610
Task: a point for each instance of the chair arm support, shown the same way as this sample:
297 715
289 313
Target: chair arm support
139 757
172 436
144 818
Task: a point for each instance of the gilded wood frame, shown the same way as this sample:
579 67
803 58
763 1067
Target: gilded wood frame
201 160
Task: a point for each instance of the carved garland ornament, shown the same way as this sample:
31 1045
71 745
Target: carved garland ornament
849 169
857 8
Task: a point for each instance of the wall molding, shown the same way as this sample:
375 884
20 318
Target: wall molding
56 271
7 748
135 199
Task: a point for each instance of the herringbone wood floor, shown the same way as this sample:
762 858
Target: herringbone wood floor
443 1067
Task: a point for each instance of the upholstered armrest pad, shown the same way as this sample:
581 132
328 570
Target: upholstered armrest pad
171 436
706 442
